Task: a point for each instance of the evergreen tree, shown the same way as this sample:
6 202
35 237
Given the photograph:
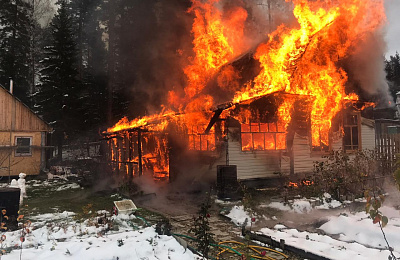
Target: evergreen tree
15 46
392 68
42 13
91 61
143 39
117 102
57 98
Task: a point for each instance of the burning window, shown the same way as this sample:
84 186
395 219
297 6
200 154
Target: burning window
199 141
351 133
23 146
263 136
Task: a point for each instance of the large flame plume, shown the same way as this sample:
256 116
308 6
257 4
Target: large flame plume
304 60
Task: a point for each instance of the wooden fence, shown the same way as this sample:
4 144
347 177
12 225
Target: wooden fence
388 148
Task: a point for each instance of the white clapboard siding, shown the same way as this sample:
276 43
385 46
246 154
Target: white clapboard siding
367 134
337 144
254 164
303 161
265 164
285 165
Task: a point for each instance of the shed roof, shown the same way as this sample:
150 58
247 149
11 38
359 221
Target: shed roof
16 115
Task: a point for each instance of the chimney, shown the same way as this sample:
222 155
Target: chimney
11 86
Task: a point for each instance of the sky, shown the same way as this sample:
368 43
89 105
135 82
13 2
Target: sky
393 26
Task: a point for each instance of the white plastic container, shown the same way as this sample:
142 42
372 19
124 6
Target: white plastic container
125 206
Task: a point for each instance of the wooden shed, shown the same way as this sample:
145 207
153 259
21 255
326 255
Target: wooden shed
259 147
23 137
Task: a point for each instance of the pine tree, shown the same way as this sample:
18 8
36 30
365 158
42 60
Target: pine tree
42 13
15 46
91 61
392 68
117 103
143 39
57 98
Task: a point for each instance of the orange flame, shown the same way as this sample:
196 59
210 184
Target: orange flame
216 42
304 60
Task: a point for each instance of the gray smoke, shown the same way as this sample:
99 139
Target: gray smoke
366 68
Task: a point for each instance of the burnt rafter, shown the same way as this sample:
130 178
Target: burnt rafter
231 105
108 136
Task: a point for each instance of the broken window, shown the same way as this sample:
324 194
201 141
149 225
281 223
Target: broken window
23 146
351 132
263 136
199 141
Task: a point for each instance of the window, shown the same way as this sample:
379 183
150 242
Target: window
198 141
23 146
263 136
351 134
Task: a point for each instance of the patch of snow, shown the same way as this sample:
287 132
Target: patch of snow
278 205
329 204
53 216
302 206
325 246
356 237
298 206
359 228
238 216
143 244
68 186
327 195
279 226
73 240
223 202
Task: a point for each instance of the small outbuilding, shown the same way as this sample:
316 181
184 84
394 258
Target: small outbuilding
23 137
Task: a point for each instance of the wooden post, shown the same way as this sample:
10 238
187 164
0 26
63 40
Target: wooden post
130 155
140 152
282 244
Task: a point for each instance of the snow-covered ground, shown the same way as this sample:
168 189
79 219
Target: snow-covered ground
64 235
51 239
347 235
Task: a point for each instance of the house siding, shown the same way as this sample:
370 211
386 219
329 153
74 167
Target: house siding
265 164
23 118
337 144
367 137
17 120
27 164
250 164
303 160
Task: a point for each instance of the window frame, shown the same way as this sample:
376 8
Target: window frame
191 139
357 125
18 154
275 132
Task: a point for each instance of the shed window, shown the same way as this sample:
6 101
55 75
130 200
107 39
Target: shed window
263 136
351 133
199 141
23 146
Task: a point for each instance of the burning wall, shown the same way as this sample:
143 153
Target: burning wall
308 58
139 152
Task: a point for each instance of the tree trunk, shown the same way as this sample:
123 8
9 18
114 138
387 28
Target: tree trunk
111 61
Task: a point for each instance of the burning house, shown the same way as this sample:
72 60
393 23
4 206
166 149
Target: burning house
250 136
283 105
